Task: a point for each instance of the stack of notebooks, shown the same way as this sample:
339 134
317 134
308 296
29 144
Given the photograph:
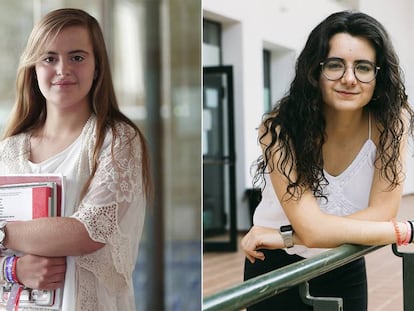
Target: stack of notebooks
27 197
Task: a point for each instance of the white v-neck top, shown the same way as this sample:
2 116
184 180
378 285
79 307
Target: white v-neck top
347 193
66 163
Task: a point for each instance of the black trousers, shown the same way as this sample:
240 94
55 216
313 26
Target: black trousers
348 281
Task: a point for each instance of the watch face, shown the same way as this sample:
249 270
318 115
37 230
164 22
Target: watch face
286 228
2 235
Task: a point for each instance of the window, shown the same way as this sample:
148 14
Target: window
211 43
267 99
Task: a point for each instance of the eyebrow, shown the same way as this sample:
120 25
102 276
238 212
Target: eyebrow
70 52
355 61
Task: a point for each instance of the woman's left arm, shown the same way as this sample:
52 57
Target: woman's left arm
115 188
383 206
50 237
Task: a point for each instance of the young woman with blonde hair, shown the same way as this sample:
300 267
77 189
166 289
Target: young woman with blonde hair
66 120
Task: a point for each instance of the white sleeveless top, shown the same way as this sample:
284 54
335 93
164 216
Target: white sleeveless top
347 193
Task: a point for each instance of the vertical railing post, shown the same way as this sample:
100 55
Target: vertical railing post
319 303
408 277
155 295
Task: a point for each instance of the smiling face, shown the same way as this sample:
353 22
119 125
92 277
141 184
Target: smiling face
66 70
347 93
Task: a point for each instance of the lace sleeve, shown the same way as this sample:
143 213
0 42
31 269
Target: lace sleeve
113 211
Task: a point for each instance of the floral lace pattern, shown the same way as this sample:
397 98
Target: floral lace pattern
88 301
115 196
11 149
101 223
112 212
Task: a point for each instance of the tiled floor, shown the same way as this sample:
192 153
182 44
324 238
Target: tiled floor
384 269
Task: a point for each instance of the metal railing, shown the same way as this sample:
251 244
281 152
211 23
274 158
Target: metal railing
277 281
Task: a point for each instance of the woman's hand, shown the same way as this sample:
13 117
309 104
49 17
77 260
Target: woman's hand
41 272
260 238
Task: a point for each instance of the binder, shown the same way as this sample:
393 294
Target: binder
27 201
26 197
40 179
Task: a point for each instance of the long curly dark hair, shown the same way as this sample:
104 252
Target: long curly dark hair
297 122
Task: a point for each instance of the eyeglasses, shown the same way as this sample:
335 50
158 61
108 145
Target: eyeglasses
334 69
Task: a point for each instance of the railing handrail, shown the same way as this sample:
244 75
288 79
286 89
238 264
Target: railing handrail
277 281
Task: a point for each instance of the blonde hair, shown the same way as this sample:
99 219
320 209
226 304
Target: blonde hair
29 111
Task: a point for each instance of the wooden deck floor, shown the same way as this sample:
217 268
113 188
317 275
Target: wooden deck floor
384 269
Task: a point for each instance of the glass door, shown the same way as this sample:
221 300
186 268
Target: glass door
219 204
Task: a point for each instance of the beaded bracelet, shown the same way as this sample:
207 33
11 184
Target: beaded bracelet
14 272
9 270
407 235
397 231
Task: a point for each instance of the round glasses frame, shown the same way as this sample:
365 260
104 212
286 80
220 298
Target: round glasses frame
339 60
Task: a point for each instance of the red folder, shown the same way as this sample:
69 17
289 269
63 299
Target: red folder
41 204
39 179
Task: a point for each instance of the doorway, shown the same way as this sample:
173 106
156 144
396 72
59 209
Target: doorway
219 177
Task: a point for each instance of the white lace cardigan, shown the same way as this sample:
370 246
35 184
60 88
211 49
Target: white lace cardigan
112 211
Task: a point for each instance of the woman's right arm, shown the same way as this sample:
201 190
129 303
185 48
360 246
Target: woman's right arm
313 228
33 271
41 272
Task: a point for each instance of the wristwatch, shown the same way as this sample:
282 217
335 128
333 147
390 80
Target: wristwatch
3 224
287 235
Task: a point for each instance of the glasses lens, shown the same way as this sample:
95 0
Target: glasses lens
333 69
365 71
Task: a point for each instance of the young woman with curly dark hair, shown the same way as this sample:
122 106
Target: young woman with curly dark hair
333 161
